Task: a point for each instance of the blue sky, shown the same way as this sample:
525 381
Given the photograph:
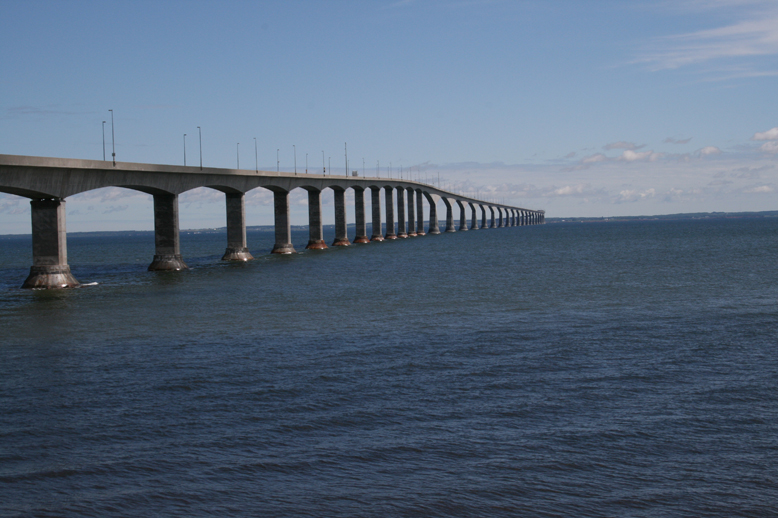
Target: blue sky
581 108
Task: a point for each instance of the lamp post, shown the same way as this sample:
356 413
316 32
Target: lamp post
363 167
329 164
306 163
256 156
103 141
113 141
237 154
345 146
323 167
278 162
378 168
295 158
184 149
201 147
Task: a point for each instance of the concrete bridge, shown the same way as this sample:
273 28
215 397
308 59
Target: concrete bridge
49 181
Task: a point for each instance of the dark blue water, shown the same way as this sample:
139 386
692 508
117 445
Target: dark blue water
609 369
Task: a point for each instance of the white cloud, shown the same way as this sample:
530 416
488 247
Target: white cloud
632 156
599 157
771 134
708 150
755 34
622 145
760 189
769 147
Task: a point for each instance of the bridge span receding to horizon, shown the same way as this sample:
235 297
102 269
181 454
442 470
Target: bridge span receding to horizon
49 181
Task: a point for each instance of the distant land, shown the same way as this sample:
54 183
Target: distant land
604 219
668 217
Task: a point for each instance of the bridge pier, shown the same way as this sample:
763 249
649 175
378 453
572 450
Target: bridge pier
389 193
237 250
315 225
500 217
411 210
420 214
491 221
341 228
449 215
434 224
375 202
49 268
167 253
473 217
283 226
462 216
359 214
483 217
401 230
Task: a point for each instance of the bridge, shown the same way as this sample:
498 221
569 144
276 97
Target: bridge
49 181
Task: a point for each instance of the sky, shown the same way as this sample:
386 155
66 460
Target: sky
580 108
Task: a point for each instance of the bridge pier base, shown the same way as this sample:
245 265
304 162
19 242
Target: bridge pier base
167 246
359 215
283 227
462 216
474 218
341 227
236 229
315 226
375 202
49 268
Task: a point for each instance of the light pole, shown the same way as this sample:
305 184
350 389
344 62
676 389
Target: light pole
323 167
237 154
329 164
295 158
363 167
278 162
113 142
345 146
306 163
378 168
201 147
256 156
103 141
184 149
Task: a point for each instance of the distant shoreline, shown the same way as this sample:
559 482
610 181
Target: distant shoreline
602 219
670 217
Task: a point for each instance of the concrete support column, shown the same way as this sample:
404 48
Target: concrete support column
359 214
49 268
375 202
473 217
483 217
411 210
167 253
389 193
315 225
236 228
449 215
492 223
401 232
341 228
420 214
523 218
434 226
283 226
513 217
462 216
500 217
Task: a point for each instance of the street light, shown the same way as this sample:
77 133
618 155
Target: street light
345 146
113 142
184 149
237 153
201 147
295 158
306 163
278 162
256 156
103 141
323 167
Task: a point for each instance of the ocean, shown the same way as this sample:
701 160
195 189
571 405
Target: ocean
602 369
